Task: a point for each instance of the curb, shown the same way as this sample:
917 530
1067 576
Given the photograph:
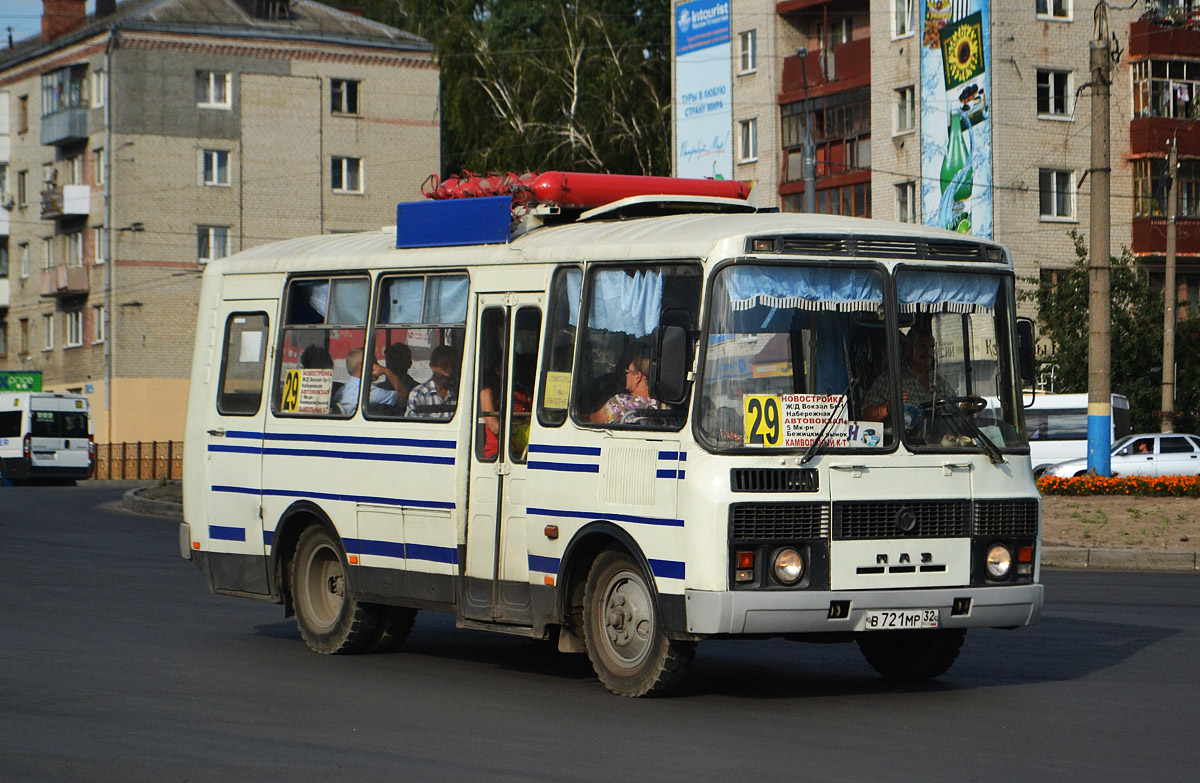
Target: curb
158 508
1087 558
1065 558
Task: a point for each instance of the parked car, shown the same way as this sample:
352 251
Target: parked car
1153 454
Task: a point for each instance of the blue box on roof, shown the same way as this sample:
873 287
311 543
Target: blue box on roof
464 221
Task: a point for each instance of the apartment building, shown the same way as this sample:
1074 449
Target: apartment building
141 142
994 140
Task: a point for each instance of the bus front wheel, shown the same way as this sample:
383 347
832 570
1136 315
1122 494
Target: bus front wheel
330 617
623 633
908 656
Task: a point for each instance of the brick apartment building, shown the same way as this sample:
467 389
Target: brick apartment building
882 118
139 143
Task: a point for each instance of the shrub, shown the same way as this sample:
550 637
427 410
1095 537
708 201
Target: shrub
1161 486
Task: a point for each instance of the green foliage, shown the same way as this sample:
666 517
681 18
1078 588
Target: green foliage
1136 335
535 85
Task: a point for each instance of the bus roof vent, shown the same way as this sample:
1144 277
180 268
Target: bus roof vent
876 247
815 246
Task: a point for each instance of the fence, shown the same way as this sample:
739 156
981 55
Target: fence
139 460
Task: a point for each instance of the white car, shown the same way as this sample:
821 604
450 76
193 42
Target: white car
1154 454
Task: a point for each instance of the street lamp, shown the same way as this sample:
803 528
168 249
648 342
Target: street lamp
808 157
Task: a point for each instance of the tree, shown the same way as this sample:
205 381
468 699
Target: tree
535 85
1137 335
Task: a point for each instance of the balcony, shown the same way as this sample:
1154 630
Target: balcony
65 281
65 126
66 201
848 64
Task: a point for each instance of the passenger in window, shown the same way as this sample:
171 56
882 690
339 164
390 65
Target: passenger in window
623 408
347 397
438 396
398 358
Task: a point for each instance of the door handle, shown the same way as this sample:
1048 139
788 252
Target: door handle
219 432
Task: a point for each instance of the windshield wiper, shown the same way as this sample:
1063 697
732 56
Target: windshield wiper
817 441
984 441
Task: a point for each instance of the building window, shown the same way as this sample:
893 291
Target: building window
74 326
212 242
98 314
852 200
3 339
1166 88
1053 93
48 253
215 166
343 96
64 89
213 89
74 170
4 185
22 188
3 258
1057 194
99 88
748 141
23 114
48 328
906 202
24 336
99 235
24 260
903 14
99 165
905 109
1054 9
346 175
748 48
74 242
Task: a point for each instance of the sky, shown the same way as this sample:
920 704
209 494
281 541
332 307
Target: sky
25 18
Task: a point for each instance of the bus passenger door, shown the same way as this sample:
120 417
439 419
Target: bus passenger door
497 562
233 430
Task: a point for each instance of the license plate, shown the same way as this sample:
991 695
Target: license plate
887 620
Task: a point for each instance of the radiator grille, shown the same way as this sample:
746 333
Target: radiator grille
778 521
878 519
1006 518
773 480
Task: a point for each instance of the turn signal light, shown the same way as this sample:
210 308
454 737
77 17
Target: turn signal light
1024 554
745 560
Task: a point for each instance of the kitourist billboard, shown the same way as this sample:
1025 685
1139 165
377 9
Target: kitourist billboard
956 116
703 90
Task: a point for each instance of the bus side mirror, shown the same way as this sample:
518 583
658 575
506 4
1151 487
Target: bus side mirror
1025 346
668 371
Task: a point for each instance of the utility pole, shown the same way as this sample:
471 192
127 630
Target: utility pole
1099 286
1169 293
808 154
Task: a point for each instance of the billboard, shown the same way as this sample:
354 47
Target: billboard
956 118
21 381
703 90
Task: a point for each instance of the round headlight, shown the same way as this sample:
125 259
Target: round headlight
788 567
999 561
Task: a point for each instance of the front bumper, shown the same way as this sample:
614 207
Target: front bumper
785 612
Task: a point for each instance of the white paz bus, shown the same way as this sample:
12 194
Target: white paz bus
626 425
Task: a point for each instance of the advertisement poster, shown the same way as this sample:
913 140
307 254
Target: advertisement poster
703 90
956 116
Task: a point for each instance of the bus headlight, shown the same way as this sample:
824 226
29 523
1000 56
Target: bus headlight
999 561
788 567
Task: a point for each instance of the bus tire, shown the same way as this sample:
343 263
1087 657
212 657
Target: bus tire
393 625
623 633
909 656
330 618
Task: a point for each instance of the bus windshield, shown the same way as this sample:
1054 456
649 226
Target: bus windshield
802 354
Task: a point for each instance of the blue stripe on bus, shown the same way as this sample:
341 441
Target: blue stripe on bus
589 515
671 474
301 493
396 549
583 451
667 569
567 467
360 455
235 449
224 533
268 537
358 439
544 565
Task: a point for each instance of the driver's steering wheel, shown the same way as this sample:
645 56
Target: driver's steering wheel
974 403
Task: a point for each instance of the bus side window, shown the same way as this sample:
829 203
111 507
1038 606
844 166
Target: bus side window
563 316
321 347
239 392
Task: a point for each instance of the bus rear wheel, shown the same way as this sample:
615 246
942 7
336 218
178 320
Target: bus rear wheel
623 633
330 618
909 656
393 625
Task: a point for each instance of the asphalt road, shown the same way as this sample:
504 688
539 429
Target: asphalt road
117 665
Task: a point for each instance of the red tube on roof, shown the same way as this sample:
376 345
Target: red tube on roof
584 191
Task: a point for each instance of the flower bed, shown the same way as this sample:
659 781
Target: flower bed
1156 486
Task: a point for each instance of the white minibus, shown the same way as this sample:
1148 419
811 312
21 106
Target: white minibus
45 436
1058 431
625 425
